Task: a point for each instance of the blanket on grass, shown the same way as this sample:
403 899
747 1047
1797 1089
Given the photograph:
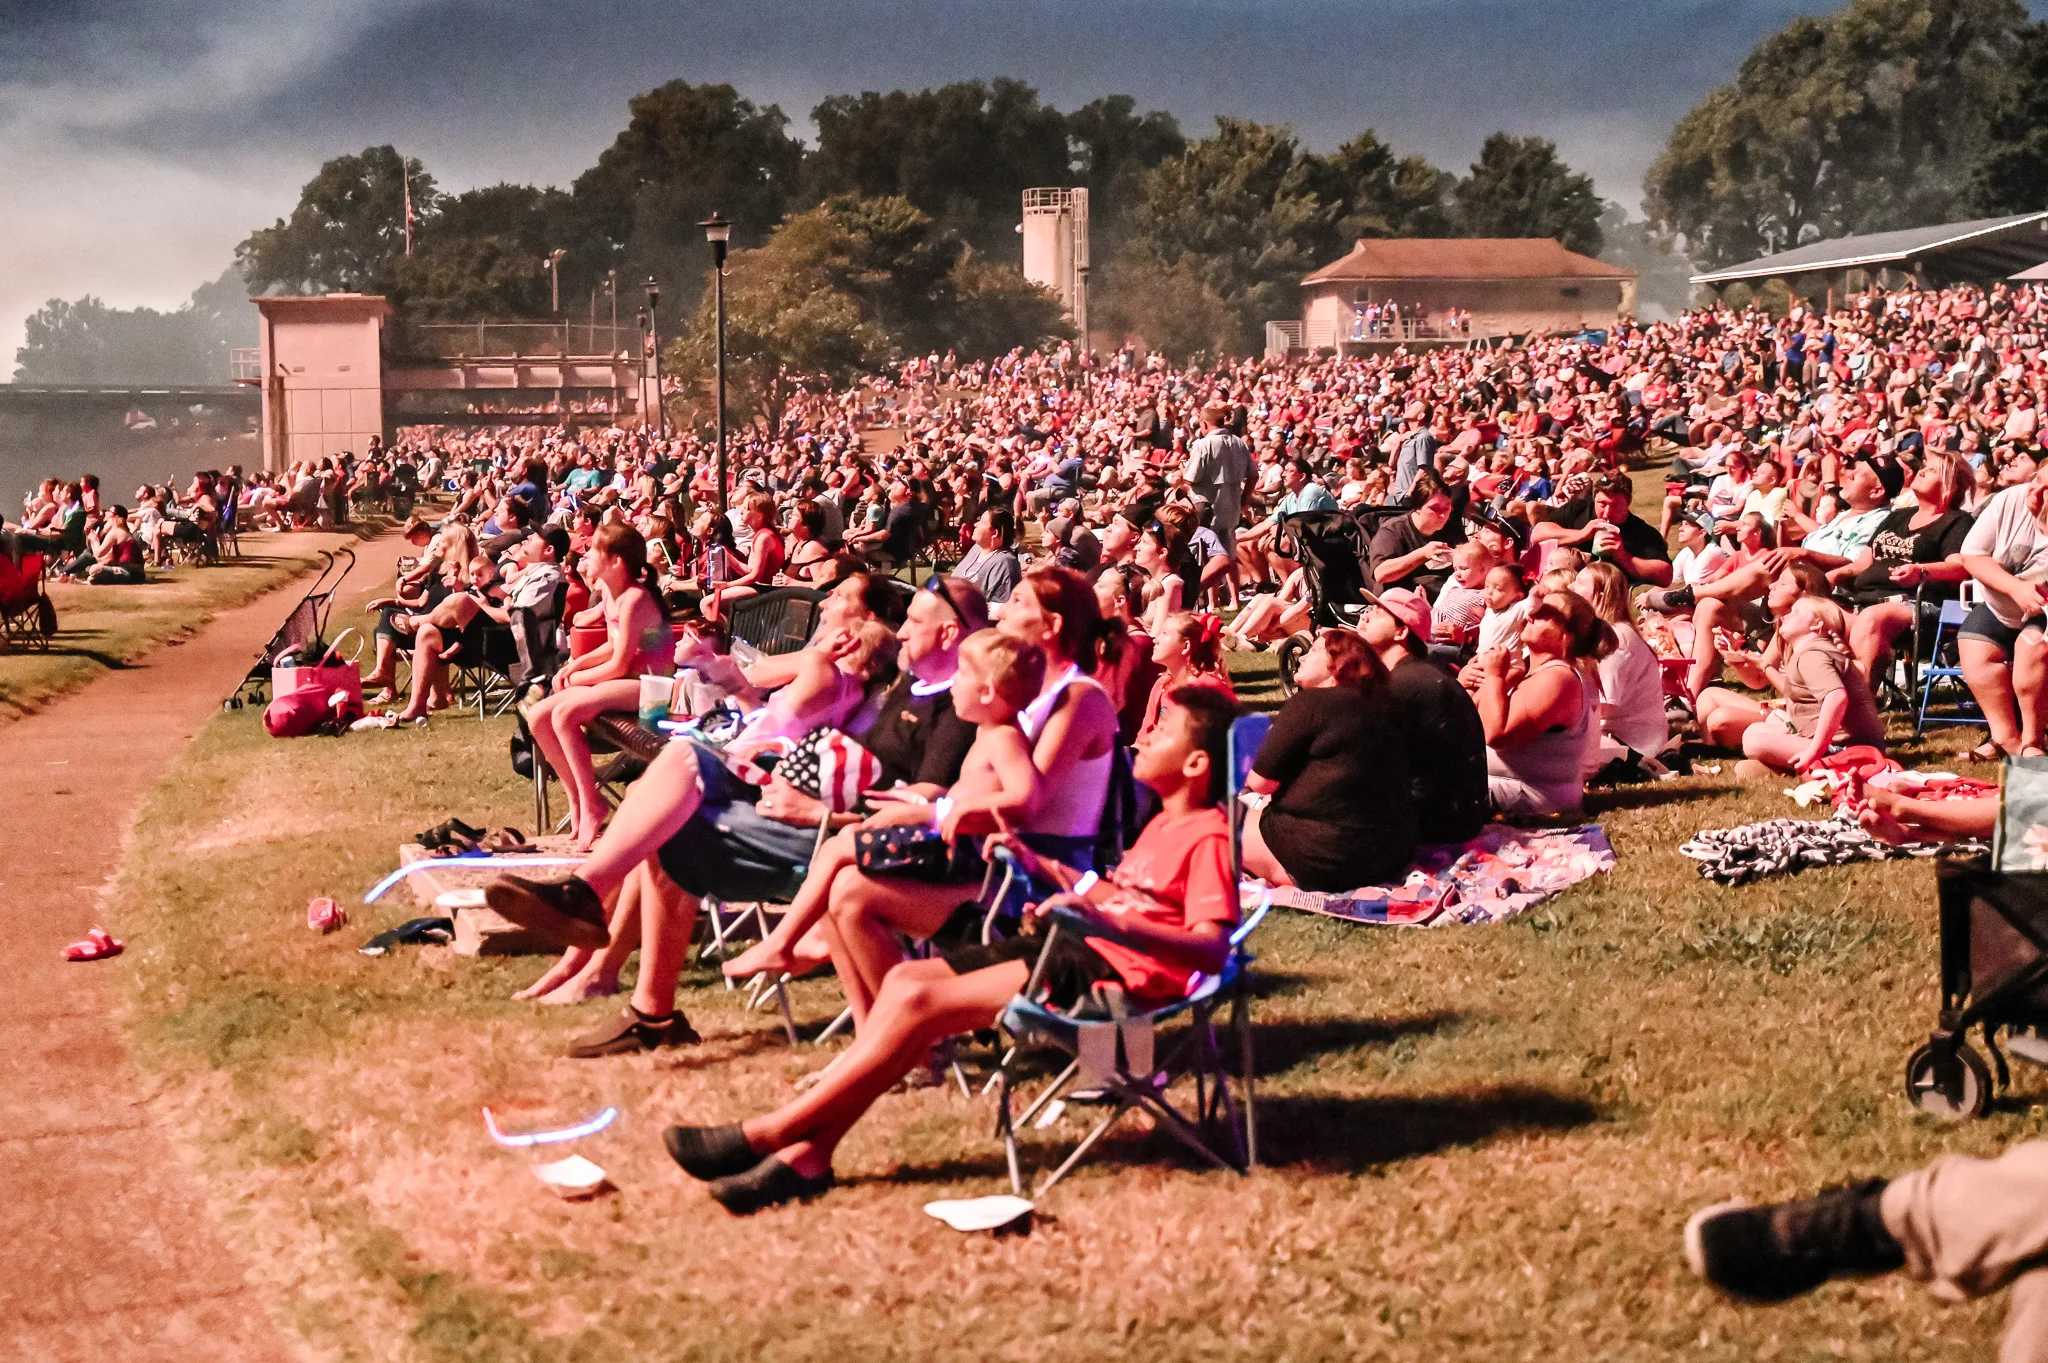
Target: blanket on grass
1502 872
1736 856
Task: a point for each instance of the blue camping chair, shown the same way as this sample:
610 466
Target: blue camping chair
1946 677
1120 1051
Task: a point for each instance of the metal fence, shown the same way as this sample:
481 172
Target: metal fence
474 340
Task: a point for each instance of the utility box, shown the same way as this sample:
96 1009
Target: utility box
1056 248
321 370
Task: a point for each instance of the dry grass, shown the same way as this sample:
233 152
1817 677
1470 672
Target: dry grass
1482 1141
103 628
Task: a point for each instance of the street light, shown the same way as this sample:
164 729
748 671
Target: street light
646 349
718 232
654 341
552 263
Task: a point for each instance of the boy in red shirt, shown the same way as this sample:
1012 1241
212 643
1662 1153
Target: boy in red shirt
1172 893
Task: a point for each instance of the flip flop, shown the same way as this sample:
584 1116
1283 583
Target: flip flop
1986 752
97 946
505 840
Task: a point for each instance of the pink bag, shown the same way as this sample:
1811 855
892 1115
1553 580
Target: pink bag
334 673
297 714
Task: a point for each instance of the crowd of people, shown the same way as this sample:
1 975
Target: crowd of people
1026 601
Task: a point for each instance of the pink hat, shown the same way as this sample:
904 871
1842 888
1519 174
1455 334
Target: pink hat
1409 607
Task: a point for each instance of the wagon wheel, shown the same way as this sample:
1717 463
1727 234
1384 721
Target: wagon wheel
1953 1084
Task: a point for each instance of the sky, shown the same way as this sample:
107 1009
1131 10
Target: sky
140 140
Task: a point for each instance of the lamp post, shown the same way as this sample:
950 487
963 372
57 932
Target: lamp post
552 263
640 320
718 232
654 343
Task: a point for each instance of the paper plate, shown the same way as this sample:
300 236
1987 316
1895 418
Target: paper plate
459 899
979 1213
571 1177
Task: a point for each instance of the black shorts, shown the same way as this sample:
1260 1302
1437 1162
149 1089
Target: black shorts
1982 624
1072 969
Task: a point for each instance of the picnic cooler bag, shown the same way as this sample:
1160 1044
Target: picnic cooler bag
307 698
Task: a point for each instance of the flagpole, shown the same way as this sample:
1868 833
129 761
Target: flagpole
405 182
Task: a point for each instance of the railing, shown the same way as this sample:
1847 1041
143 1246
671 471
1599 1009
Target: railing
245 364
495 340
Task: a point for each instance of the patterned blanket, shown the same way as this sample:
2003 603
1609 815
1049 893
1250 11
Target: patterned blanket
1498 874
1736 856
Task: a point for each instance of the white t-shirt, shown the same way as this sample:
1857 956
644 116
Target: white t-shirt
1632 695
1503 629
1689 569
2009 534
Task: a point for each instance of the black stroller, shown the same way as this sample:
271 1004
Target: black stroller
1994 974
307 624
1331 548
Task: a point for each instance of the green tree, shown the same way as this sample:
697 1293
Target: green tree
688 150
1170 306
1238 213
1519 188
1862 120
2012 174
348 230
1378 193
963 154
846 287
1111 146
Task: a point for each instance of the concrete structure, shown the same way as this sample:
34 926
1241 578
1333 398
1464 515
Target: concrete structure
321 367
1056 247
331 375
1511 286
1977 252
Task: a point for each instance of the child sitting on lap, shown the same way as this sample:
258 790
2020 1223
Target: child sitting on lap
1172 894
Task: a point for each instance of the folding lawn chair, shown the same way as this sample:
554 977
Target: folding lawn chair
27 615
1941 678
1122 1053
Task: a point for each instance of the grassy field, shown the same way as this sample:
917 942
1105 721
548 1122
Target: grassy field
1481 1141
102 628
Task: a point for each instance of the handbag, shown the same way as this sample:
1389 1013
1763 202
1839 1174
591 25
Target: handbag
330 673
830 768
914 850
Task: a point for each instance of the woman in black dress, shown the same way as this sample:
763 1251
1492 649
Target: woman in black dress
1335 762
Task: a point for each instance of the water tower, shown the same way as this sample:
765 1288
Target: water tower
1056 248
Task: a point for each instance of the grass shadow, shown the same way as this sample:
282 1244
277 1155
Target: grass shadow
1343 1134
1649 796
1281 1046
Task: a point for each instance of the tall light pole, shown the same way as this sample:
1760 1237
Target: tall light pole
646 349
552 263
718 232
654 340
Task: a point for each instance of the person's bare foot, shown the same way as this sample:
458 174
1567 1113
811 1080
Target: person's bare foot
765 956
1880 824
566 967
591 982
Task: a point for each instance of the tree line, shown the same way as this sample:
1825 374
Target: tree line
1883 114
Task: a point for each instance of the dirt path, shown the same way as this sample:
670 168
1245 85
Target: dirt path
110 1252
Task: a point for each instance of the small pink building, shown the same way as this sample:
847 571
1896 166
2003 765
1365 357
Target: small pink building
1508 285
322 374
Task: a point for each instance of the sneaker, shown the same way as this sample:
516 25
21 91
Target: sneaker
1776 1253
566 912
767 1184
632 1032
1670 599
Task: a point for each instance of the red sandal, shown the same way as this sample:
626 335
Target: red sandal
97 946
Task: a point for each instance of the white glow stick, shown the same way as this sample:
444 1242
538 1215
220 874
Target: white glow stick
423 863
567 1133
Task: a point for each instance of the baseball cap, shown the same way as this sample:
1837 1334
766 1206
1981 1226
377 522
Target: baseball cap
1409 607
1889 473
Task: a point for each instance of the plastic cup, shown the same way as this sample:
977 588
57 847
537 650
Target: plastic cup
657 693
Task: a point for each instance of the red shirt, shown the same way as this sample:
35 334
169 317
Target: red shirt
1184 863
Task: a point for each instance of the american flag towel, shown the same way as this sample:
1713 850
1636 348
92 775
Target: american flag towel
831 768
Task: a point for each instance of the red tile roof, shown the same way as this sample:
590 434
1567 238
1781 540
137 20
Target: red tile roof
1464 258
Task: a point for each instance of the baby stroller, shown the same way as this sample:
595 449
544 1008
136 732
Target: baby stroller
1331 548
1994 974
307 624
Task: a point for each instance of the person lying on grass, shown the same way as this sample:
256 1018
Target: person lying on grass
1172 894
